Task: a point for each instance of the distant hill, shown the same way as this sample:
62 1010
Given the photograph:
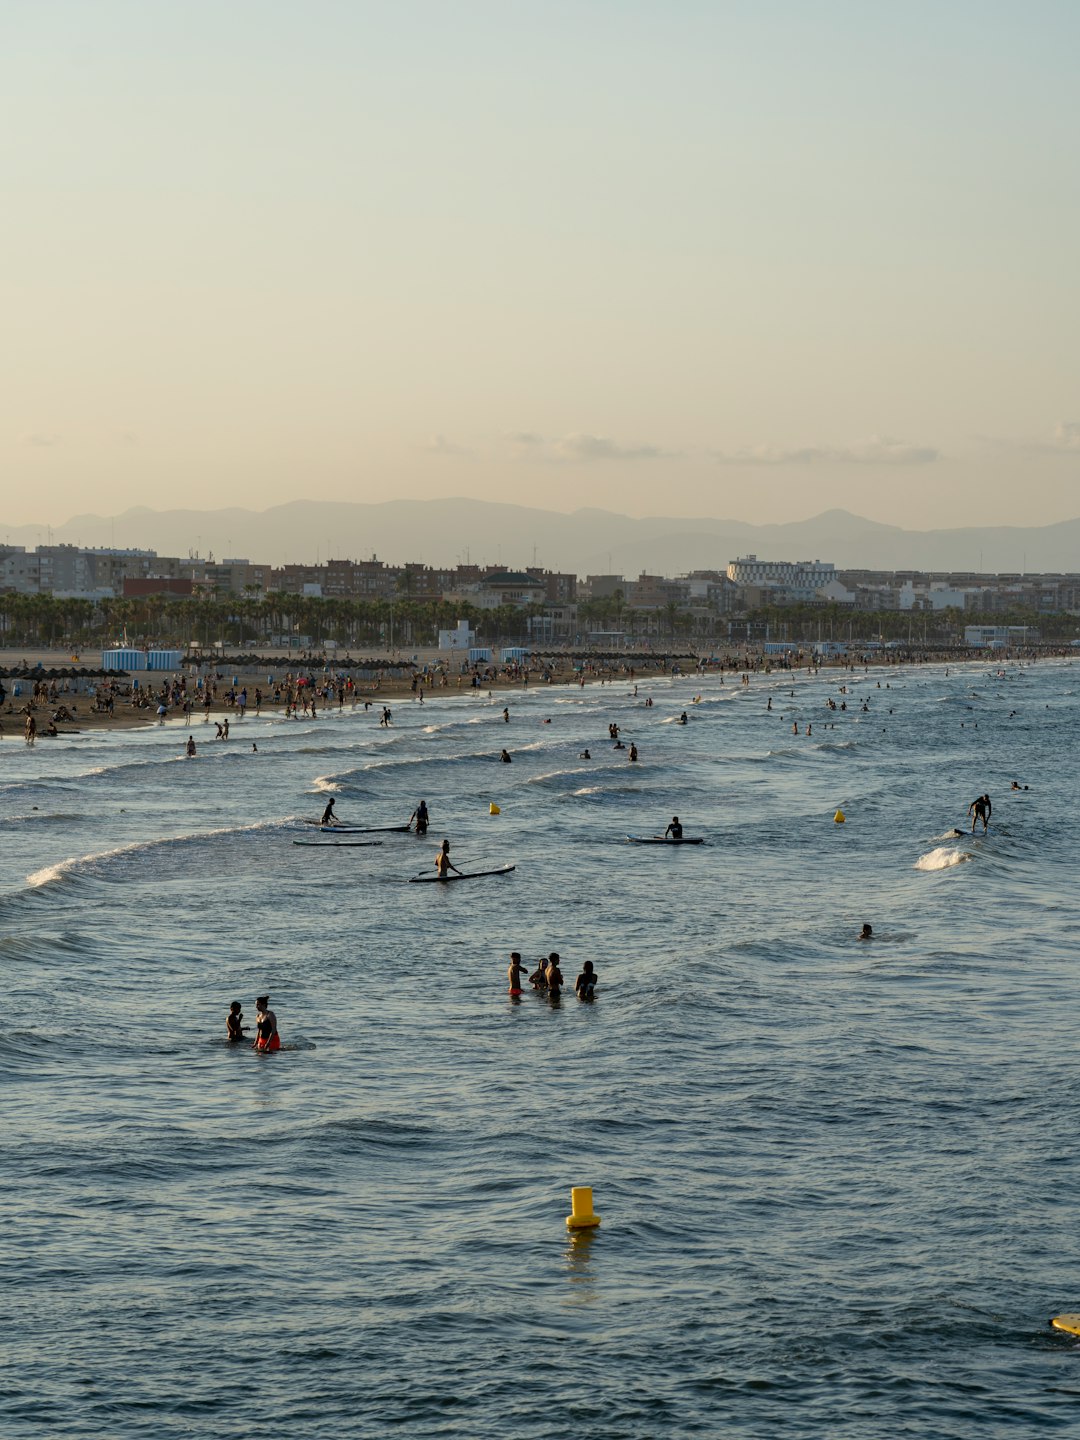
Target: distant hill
444 532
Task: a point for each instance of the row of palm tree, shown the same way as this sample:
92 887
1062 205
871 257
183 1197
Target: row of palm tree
256 620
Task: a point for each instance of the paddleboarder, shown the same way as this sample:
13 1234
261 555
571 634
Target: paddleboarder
328 816
443 863
420 815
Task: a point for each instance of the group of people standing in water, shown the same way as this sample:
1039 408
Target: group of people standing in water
547 978
266 1031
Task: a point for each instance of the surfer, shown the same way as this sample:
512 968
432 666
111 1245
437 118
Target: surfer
420 815
514 972
584 755
443 863
683 718
585 984
266 1031
190 746
674 829
234 1022
328 816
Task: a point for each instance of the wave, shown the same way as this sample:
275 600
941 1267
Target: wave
112 865
943 858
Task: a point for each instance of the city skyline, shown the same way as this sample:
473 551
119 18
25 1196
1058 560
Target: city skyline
741 260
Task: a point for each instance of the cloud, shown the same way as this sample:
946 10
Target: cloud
440 445
599 447
878 450
577 448
1064 441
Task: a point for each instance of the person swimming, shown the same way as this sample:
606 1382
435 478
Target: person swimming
504 756
867 932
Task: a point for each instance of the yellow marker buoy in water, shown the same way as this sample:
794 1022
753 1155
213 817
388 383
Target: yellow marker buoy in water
582 1216
493 809
1069 1323
839 818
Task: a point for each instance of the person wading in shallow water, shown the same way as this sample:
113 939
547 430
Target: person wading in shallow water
266 1031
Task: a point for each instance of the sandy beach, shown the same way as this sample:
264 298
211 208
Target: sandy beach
135 708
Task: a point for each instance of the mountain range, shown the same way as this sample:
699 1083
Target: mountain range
589 541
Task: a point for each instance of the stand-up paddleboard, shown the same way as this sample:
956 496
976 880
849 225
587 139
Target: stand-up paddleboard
339 844
664 840
364 829
467 875
1069 1323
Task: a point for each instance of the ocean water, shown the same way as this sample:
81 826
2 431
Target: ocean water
837 1179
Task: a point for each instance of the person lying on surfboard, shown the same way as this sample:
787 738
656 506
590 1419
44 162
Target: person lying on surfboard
443 863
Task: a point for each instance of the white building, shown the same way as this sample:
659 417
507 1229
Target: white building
808 575
461 639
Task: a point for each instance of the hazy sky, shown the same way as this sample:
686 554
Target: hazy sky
747 258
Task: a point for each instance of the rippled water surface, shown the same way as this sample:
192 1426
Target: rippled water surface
837 1179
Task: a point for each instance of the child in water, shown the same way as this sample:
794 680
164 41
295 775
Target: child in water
233 1022
514 972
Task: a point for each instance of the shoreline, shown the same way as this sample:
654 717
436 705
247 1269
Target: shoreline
85 719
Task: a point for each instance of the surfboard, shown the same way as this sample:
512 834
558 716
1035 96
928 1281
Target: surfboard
1069 1323
340 844
664 840
467 875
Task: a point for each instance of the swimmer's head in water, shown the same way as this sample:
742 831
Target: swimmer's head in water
866 932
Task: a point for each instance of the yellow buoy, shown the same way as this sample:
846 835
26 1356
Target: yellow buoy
493 809
582 1216
839 817
1069 1323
